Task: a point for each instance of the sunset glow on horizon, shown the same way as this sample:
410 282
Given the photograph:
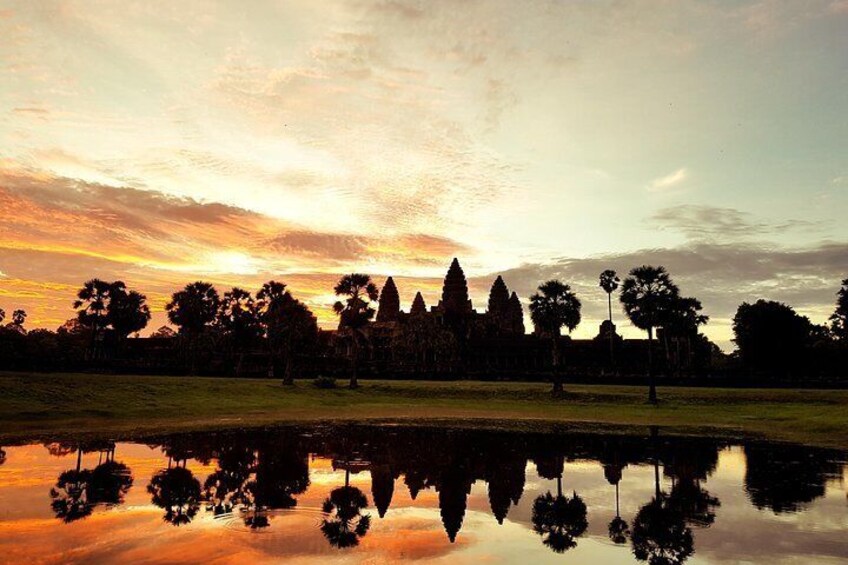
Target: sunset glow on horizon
160 143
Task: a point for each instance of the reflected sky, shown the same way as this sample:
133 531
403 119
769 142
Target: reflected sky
428 487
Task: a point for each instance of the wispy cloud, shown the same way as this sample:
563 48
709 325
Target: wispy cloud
669 181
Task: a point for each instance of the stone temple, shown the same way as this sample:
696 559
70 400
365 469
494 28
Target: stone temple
451 338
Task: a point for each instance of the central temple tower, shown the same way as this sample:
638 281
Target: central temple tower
455 301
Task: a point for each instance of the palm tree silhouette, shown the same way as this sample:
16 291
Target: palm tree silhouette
70 495
238 320
193 309
92 303
128 310
551 308
618 529
288 325
177 491
660 535
109 481
647 294
559 519
224 488
344 524
608 281
355 312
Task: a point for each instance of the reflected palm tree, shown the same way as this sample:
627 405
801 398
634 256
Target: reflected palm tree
559 519
279 476
224 488
2 455
70 501
109 481
618 529
344 523
660 535
177 491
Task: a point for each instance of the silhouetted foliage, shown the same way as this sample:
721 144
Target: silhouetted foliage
660 535
193 310
344 524
839 318
70 497
553 307
560 520
609 281
289 326
647 295
128 312
238 321
771 336
355 312
786 479
176 491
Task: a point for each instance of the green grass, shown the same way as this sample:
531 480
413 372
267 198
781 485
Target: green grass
35 405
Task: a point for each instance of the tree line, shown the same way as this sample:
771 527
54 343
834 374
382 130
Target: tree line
771 337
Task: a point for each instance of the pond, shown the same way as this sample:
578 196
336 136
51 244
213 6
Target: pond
357 494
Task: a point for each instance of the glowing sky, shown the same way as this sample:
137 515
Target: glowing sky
160 142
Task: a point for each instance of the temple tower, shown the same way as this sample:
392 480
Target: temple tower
389 305
418 305
498 299
455 301
515 315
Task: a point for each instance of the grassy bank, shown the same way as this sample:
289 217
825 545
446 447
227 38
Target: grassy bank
34 405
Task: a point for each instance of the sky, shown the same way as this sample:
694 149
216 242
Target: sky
164 142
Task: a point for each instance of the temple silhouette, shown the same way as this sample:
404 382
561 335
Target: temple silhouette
451 338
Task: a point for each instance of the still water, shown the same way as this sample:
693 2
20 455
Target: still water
386 494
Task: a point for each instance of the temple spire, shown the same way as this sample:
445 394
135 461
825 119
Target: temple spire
455 290
389 306
498 298
515 315
418 306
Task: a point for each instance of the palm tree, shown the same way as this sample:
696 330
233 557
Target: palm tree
238 319
559 520
177 491
344 523
609 282
128 311
2 315
647 294
839 318
551 308
355 312
681 324
19 317
660 534
618 529
288 325
70 495
93 303
193 310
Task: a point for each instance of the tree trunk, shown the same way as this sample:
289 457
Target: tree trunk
555 374
288 374
652 387
354 383
617 512
559 486
611 344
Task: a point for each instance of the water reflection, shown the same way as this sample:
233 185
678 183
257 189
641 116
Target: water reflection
250 477
77 491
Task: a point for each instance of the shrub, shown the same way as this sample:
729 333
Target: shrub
324 382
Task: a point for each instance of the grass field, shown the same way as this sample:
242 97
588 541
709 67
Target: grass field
37 405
